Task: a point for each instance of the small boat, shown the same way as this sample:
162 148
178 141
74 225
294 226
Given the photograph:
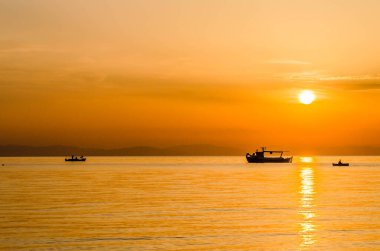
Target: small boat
340 163
259 157
75 158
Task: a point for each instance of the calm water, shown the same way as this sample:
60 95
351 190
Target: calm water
189 203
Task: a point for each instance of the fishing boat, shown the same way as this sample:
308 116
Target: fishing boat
340 163
75 158
262 157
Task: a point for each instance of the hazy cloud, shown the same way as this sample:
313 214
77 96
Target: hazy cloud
360 77
346 82
173 89
359 82
12 46
362 86
300 76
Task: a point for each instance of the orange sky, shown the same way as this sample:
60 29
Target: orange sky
160 73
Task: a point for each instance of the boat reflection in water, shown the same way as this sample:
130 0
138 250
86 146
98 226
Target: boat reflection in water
306 203
75 158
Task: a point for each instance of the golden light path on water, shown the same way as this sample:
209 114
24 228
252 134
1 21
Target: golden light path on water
306 190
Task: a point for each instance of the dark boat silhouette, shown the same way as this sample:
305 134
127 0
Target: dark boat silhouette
259 157
75 158
340 163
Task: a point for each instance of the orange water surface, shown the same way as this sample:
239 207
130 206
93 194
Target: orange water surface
189 203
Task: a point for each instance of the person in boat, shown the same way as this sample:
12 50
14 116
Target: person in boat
340 162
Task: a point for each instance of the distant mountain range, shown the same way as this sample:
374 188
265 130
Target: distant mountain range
185 150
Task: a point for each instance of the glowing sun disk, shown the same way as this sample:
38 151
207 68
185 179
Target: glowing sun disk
306 97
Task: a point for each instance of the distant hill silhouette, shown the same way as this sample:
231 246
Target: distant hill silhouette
185 150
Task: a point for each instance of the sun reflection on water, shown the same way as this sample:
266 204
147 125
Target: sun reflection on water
307 159
307 226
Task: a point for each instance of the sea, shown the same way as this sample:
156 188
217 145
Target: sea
189 203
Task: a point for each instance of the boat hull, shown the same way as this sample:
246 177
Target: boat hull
342 164
254 159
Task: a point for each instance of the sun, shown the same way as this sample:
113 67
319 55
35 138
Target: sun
306 97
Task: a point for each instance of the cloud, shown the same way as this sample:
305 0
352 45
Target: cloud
308 76
157 88
360 77
354 83
362 86
346 82
12 46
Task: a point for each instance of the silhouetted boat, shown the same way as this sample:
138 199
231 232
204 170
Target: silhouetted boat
259 157
340 163
75 158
